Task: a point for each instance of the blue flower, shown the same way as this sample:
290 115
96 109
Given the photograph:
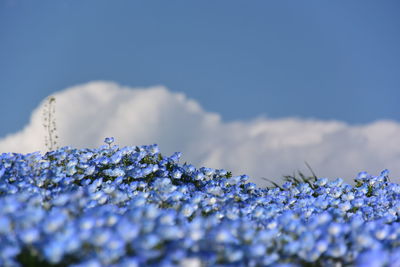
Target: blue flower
176 174
5 224
28 236
372 258
257 250
114 172
149 241
109 140
187 210
54 252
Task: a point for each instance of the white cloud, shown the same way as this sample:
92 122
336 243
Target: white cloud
261 147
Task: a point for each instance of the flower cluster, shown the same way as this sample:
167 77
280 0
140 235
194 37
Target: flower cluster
131 206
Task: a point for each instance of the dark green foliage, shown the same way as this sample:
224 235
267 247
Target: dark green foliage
296 180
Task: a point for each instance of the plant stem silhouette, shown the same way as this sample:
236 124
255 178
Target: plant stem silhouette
50 125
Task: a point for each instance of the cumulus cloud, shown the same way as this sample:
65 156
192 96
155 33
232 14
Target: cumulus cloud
262 147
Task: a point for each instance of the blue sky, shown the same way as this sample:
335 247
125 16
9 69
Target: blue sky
256 87
311 59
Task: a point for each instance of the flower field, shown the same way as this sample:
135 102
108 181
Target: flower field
132 206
